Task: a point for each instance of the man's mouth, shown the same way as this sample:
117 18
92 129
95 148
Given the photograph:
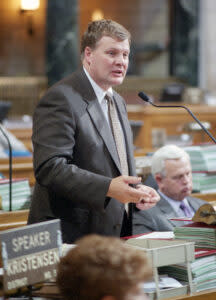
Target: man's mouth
186 190
118 72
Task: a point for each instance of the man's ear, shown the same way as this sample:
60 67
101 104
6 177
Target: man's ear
87 54
158 178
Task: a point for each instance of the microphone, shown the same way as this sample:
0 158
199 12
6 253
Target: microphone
144 97
10 166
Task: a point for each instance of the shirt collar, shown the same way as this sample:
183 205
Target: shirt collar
174 203
100 93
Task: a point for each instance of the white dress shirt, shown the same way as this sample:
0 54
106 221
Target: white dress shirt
100 93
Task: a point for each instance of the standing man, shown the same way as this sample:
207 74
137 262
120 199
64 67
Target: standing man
171 169
83 163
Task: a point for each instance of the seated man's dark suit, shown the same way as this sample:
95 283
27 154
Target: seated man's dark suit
157 218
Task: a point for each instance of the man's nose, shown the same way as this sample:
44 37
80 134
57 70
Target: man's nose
120 59
186 178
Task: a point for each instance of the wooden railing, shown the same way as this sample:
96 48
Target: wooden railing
22 168
13 219
207 196
171 119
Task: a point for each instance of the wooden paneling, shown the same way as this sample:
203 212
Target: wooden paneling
24 135
21 54
13 219
22 168
172 119
209 197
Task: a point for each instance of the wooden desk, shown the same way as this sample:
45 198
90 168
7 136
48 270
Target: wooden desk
207 197
172 119
13 219
24 135
143 152
22 168
51 291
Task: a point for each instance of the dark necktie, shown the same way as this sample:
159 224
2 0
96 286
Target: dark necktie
118 135
186 210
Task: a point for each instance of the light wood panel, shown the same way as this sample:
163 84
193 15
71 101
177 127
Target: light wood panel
13 219
22 53
22 168
207 197
24 135
172 119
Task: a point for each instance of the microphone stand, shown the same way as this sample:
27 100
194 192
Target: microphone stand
146 98
10 166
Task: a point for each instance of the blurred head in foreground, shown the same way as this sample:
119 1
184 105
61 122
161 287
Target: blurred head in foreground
103 268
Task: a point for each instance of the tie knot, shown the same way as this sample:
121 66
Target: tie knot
183 205
186 209
109 98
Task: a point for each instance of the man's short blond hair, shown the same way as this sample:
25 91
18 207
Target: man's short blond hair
97 29
101 266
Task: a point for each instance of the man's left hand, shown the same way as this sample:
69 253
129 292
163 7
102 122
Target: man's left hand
150 200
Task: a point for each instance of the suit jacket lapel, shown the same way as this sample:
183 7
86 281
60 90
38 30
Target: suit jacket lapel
97 115
193 203
168 211
104 130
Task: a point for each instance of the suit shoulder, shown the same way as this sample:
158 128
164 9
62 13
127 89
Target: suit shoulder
69 89
198 200
118 97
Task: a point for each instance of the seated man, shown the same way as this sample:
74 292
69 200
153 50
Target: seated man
103 268
171 170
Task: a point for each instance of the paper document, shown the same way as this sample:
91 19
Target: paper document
157 235
183 219
165 282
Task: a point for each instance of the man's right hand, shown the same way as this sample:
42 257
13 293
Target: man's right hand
121 190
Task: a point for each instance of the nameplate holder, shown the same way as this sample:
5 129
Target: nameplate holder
30 254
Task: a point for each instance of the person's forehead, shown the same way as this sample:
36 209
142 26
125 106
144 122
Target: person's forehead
113 41
175 164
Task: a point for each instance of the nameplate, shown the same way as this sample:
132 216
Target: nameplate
30 254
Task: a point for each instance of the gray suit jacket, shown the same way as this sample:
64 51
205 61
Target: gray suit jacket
75 159
157 218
